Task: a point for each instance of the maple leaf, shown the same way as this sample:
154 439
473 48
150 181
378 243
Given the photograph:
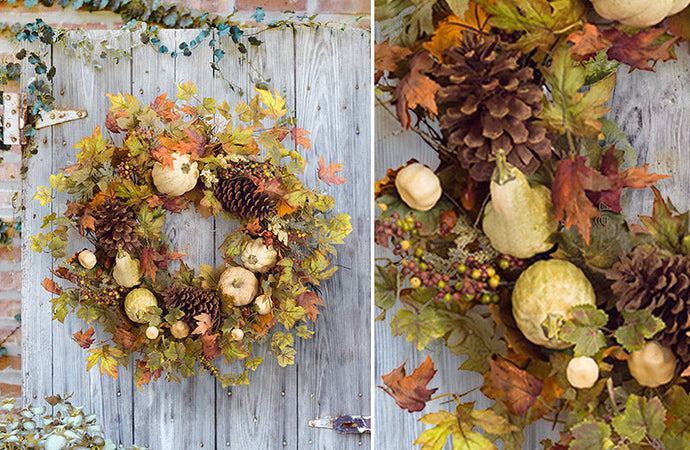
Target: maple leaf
586 42
637 50
275 103
410 391
329 174
667 225
416 89
298 136
51 286
126 339
164 108
570 201
571 111
641 418
144 375
84 338
87 221
517 389
309 301
387 56
449 31
149 258
175 205
186 91
209 346
198 143
679 24
163 155
203 324
106 358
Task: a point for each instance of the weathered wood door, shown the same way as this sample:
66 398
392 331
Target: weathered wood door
652 110
325 77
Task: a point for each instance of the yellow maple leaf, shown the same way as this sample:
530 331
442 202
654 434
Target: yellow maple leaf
122 102
449 32
186 91
276 105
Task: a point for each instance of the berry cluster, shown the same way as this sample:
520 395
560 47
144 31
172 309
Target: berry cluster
395 228
126 169
263 170
205 362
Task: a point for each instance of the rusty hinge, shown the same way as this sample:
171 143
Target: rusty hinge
344 424
13 114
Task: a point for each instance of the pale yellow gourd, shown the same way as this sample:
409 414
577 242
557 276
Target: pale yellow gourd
652 366
127 271
551 287
638 13
176 180
258 257
418 186
237 287
137 303
87 259
264 304
582 372
518 220
179 329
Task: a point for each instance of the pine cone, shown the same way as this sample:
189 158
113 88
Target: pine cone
646 280
193 301
238 195
115 226
488 102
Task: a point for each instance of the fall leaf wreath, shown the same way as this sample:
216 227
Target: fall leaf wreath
172 158
515 251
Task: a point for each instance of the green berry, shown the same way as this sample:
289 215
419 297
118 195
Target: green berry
504 264
418 252
462 268
447 297
486 299
441 284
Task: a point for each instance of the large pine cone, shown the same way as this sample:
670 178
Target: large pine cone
238 195
193 301
646 280
116 224
487 103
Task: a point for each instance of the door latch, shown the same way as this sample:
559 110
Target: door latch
344 424
13 113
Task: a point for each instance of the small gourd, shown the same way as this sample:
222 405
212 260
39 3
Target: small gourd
137 303
549 287
176 180
237 287
652 366
237 334
418 186
179 329
638 13
127 270
258 257
152 332
87 259
264 304
582 372
518 220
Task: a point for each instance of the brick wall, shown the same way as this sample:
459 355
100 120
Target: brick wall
346 11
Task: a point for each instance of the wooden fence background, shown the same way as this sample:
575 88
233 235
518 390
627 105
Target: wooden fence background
653 111
325 77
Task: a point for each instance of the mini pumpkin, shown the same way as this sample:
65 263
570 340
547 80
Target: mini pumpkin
237 287
176 180
258 257
87 259
237 334
638 13
264 304
127 270
418 186
652 366
137 303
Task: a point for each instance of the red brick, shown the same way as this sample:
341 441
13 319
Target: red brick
344 6
9 172
10 391
12 253
272 5
206 5
15 338
10 308
13 362
10 281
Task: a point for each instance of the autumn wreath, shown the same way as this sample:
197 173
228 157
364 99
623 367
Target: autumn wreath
515 250
173 157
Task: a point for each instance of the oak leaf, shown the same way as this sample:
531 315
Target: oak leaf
517 389
328 174
84 338
410 391
416 89
209 346
637 50
309 301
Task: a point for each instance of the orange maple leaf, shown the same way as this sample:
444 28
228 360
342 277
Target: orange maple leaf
517 389
283 208
416 89
126 339
163 155
203 324
84 338
51 286
328 174
264 325
309 301
637 50
387 57
87 222
148 260
587 42
254 226
449 32
298 136
164 108
410 391
209 346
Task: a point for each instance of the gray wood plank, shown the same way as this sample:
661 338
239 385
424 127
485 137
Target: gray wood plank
333 103
171 415
651 108
263 414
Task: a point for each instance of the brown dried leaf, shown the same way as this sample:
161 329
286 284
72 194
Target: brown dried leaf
309 301
416 89
517 389
410 392
84 338
51 286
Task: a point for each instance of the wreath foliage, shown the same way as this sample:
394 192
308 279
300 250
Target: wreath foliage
162 159
527 266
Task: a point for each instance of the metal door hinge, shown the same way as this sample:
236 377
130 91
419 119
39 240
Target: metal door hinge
13 114
344 424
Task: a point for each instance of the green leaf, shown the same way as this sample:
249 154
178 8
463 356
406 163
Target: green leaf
641 418
385 286
667 225
638 327
583 330
420 329
285 356
491 422
475 336
599 68
677 436
589 435
613 135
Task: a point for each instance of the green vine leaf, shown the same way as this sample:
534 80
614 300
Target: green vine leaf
642 418
591 435
637 328
583 330
419 329
385 287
